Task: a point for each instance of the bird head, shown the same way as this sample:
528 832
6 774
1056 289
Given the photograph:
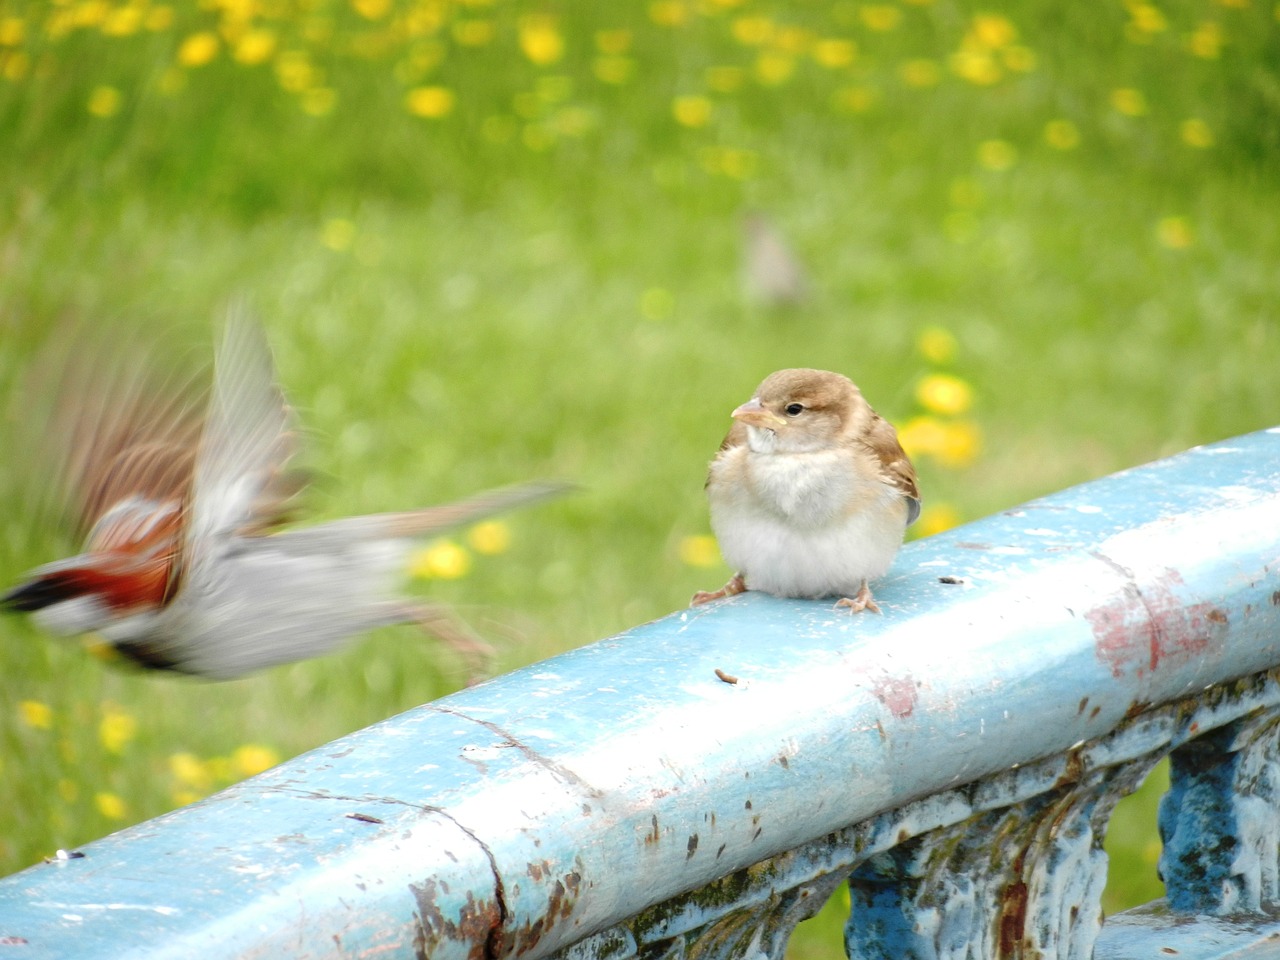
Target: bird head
801 410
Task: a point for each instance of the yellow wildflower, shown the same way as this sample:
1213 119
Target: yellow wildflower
12 30
1062 134
15 65
1146 19
752 31
880 16
442 560
1130 102
294 71
854 99
541 40
833 52
159 19
1196 133
122 22
691 110
198 49
936 518
997 155
337 234
700 550
318 101
490 537
105 101
254 47
922 436
936 344
976 66
942 393
960 444
110 806
116 728
1175 233
992 31
430 102
190 771
372 9
253 758
37 715
774 68
1206 40
668 13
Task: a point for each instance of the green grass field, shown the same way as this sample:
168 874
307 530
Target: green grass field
493 240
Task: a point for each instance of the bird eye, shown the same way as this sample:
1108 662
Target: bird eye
794 409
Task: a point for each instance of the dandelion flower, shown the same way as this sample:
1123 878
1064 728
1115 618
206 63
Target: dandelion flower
441 560
1129 101
1206 40
110 806
198 49
430 102
1175 233
1196 133
936 518
880 17
105 101
668 13
961 443
35 714
692 110
997 155
752 31
1062 134
942 393
774 68
116 728
12 30
834 53
541 40
255 47
920 73
936 344
700 550
190 771
253 758
490 537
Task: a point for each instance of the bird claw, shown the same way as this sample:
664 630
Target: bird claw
735 585
862 601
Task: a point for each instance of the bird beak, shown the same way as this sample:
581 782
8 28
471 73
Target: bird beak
753 414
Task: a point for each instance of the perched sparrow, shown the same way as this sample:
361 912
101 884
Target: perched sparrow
772 274
810 492
177 500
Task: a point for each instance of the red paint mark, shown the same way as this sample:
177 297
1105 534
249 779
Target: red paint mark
1147 626
896 693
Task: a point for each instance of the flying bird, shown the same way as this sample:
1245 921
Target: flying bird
810 492
179 500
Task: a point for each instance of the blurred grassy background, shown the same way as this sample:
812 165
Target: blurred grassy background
493 240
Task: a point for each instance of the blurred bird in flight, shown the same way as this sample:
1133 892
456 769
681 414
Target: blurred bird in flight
178 499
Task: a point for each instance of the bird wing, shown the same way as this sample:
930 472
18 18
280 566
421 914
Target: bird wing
118 423
240 484
895 468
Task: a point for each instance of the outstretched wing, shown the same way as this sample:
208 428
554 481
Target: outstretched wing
241 484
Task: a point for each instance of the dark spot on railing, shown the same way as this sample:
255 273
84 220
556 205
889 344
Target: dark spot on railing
747 805
586 809
1084 702
896 693
1094 712
721 850
782 759
1275 599
1013 919
653 835
693 847
478 922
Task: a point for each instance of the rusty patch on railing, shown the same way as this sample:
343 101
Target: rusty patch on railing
476 924
1148 625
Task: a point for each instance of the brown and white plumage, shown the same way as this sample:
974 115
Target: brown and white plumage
177 499
810 492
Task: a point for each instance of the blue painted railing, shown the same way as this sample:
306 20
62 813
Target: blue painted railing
956 760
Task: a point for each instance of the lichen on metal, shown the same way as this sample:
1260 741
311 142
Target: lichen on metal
955 760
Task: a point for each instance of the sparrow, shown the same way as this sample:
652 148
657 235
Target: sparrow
179 500
772 274
810 492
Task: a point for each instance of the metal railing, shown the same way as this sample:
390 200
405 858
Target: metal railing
696 786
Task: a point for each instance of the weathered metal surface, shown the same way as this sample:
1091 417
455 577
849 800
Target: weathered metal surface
622 799
1154 932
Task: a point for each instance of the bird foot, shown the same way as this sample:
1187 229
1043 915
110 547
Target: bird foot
862 601
444 624
735 585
